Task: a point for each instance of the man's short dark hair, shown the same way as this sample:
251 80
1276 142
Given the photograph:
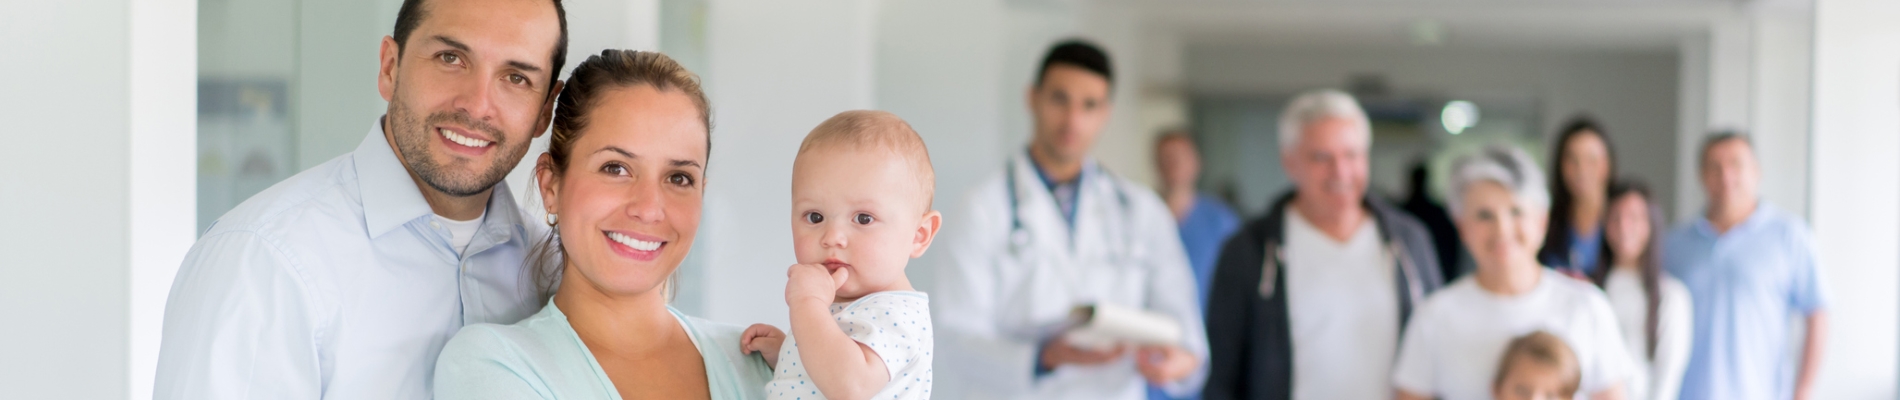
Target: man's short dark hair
413 11
1720 137
1077 53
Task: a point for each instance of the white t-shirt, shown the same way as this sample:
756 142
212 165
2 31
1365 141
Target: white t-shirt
1661 378
461 232
1456 339
895 324
1343 309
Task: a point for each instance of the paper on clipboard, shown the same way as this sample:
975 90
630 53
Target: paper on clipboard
1102 326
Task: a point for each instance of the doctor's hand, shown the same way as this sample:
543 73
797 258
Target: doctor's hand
1058 352
1165 364
814 284
763 339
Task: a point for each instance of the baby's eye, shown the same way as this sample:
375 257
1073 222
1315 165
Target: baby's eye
864 219
814 217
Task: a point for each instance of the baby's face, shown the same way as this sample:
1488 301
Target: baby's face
861 210
1533 381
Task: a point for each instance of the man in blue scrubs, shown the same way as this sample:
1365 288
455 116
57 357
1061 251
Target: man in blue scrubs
345 281
1748 266
1205 222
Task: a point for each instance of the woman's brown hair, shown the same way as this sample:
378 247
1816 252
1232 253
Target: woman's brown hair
607 71
1648 264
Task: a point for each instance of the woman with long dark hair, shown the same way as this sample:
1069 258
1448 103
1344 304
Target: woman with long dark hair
1651 307
1582 163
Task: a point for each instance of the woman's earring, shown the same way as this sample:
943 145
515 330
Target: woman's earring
551 218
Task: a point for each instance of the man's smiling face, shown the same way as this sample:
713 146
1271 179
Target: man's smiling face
469 89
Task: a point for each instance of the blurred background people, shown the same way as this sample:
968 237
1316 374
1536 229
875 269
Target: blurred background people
1419 203
1748 266
1583 163
1308 301
1205 221
1652 307
1056 231
1454 342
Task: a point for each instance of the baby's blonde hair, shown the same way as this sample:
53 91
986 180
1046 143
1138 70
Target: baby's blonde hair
876 130
1542 348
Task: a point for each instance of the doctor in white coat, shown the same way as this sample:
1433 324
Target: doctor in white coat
1054 231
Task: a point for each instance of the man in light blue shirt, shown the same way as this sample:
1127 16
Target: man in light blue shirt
345 281
1749 266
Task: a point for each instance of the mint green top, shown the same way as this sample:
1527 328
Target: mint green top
542 358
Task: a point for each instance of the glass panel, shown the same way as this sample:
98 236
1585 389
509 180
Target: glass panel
246 139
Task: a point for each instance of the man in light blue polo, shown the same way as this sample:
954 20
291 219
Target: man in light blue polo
1749 266
345 281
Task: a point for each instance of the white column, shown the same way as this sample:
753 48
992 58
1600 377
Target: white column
1856 192
776 69
164 168
1781 60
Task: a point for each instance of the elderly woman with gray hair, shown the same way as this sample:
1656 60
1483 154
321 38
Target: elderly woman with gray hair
1453 342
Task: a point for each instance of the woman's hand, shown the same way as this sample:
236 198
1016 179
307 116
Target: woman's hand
812 283
1165 364
763 339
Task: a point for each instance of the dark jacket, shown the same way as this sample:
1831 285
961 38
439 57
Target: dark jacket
1248 334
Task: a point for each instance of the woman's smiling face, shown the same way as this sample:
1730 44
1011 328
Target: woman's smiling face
629 203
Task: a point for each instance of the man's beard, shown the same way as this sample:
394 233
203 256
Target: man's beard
412 140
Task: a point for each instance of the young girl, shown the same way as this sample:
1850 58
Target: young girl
861 190
1538 366
1651 307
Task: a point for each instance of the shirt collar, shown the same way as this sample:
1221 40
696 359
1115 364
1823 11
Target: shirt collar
1706 228
1088 167
390 196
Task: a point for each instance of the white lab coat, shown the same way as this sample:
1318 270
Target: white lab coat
1003 293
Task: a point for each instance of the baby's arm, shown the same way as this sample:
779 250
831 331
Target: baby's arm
763 339
842 368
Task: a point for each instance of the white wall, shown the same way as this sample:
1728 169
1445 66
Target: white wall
1856 192
99 171
164 170
775 70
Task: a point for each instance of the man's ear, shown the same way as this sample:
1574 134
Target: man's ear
926 233
386 71
547 183
547 108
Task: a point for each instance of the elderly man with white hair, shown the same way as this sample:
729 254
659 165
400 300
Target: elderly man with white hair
1454 343
1308 301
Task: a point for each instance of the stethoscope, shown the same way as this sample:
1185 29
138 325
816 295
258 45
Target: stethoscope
1020 240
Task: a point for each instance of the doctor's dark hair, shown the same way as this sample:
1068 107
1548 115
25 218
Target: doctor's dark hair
413 12
600 74
1080 54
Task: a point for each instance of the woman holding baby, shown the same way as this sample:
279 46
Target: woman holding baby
623 182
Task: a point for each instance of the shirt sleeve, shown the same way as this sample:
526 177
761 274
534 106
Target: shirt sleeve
239 324
1674 331
1413 371
477 365
895 326
1611 365
1172 291
1807 291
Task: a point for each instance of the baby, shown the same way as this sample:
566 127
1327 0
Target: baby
861 194
1538 366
